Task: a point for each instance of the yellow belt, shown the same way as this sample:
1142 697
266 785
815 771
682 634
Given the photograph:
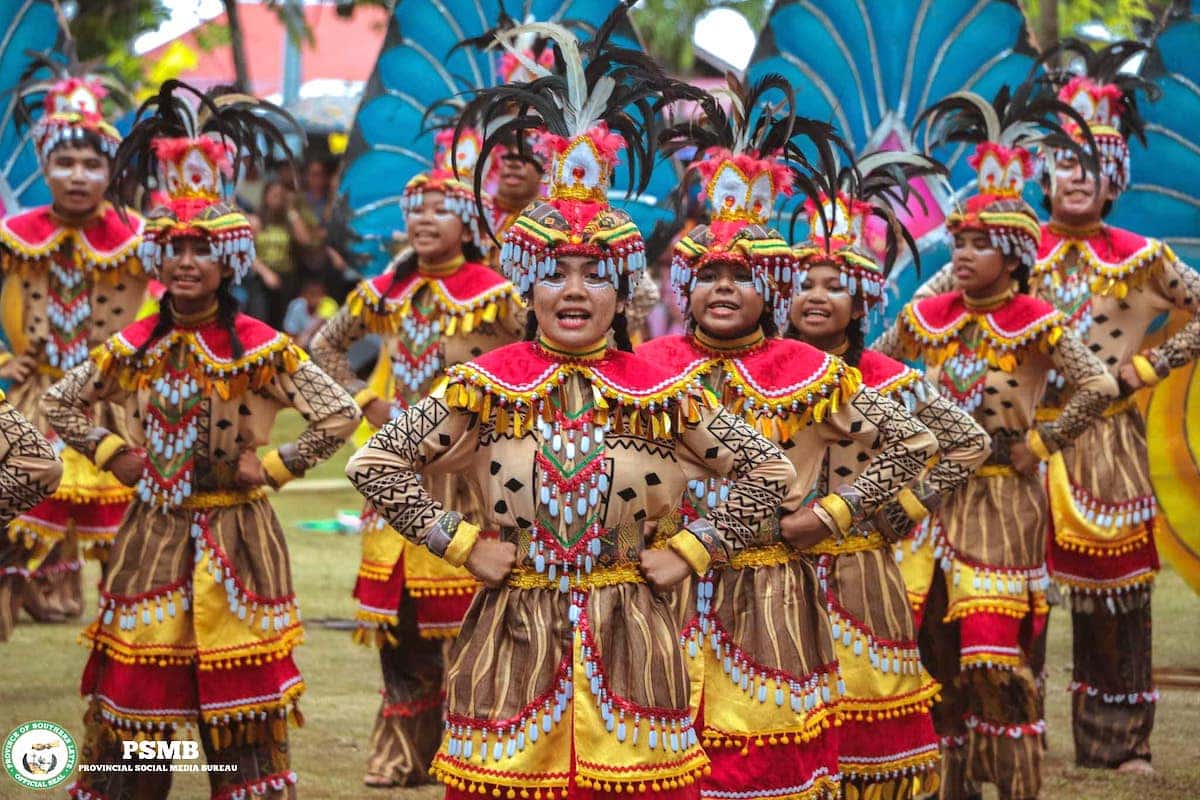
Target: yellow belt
850 544
1119 407
224 499
53 372
771 555
995 471
528 578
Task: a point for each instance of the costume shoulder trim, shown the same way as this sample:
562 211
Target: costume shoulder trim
266 352
930 328
893 378
104 244
778 388
473 296
1116 259
510 386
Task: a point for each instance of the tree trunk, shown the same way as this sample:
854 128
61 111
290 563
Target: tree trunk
237 44
1047 24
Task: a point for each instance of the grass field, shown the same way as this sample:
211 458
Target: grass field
41 665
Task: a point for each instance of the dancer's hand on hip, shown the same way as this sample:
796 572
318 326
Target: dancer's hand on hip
250 472
803 528
127 466
491 560
664 568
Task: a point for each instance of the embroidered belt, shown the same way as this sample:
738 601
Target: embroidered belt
849 544
529 578
224 498
771 555
1118 407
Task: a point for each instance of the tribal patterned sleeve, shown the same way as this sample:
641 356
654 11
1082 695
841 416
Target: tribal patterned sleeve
903 444
941 282
387 470
331 415
29 469
330 348
1094 389
963 447
761 475
1180 284
67 406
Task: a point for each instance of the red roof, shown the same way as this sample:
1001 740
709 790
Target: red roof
343 48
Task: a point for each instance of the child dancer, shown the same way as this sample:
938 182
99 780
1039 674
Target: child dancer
198 618
886 743
990 347
762 636
71 279
567 679
439 306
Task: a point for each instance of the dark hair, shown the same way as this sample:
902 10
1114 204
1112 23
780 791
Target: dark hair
1021 276
856 338
227 311
620 324
270 216
1049 209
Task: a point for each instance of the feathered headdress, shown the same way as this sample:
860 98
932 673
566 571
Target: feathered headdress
741 157
454 163
71 99
599 106
194 156
1106 98
526 47
1003 131
842 194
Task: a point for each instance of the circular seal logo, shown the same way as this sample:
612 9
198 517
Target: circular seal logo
39 754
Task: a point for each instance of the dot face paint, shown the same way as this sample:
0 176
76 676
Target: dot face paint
724 301
575 304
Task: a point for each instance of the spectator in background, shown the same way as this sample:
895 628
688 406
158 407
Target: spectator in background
279 234
308 312
318 183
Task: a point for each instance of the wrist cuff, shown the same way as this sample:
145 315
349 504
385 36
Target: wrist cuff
108 449
912 505
461 544
1033 440
276 470
1145 370
839 510
364 397
688 547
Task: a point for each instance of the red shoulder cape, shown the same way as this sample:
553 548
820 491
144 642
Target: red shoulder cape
939 318
104 241
891 377
255 336
779 387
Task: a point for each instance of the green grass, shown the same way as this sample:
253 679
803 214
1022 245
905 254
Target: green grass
41 665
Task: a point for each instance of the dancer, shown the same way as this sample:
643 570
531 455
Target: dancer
1110 284
567 679
72 278
886 743
439 306
29 471
198 618
762 637
990 346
